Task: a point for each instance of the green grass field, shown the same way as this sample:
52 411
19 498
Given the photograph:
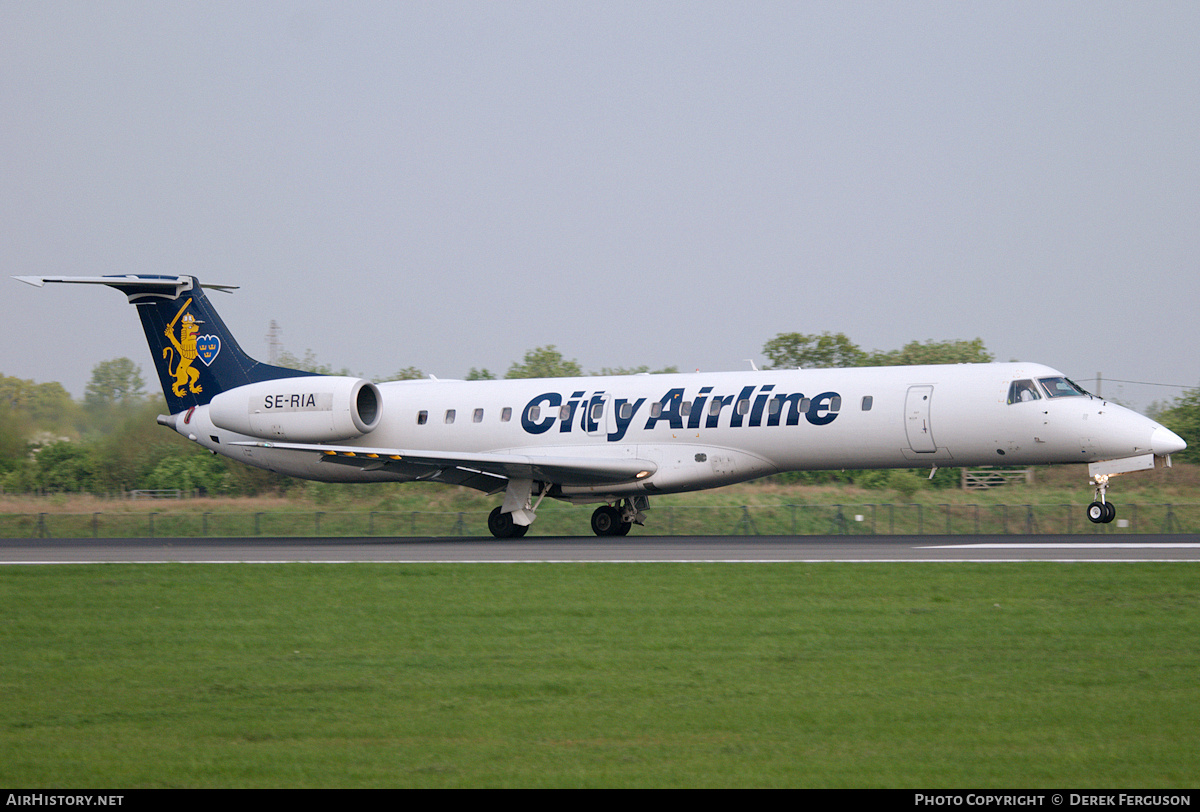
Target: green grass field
600 675
1164 501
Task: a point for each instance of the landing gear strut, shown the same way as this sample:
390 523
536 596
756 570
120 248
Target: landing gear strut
1101 511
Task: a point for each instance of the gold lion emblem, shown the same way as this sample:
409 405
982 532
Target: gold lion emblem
184 373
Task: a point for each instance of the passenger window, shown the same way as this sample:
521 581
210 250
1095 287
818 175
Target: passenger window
535 413
422 417
449 415
477 417
597 411
867 402
564 412
626 411
656 409
743 406
1022 392
685 408
506 414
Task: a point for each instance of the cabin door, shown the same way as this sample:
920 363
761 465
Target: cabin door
916 419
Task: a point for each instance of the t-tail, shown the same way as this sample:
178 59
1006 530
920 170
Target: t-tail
196 356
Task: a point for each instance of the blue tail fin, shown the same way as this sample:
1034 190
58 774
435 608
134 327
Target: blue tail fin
196 356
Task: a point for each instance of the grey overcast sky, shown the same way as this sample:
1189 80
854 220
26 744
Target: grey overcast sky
449 184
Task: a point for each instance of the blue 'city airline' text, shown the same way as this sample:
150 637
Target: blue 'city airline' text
753 406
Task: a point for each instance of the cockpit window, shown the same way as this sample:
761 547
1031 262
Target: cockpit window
1060 387
1022 392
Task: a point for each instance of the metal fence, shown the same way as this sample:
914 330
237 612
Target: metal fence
802 520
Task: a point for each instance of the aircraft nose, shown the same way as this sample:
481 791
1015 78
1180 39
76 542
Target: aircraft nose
1164 441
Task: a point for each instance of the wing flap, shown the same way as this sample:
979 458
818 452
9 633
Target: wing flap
476 469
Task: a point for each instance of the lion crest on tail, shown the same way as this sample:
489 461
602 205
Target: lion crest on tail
185 375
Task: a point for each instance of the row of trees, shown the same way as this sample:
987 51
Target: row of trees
105 444
540 362
784 351
109 442
828 350
1183 417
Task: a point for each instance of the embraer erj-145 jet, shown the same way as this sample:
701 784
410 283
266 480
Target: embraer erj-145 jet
618 440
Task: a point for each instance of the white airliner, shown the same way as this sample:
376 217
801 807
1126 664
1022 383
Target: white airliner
618 440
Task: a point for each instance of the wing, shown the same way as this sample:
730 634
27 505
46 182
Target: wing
483 471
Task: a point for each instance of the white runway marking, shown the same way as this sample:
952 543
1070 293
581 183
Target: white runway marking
1066 545
227 561
529 560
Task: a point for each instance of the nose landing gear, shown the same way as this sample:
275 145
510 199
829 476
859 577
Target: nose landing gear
1101 511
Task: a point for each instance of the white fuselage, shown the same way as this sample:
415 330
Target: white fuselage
702 430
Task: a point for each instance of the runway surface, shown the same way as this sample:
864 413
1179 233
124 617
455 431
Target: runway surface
1127 547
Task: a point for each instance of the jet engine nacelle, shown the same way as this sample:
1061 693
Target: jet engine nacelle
309 409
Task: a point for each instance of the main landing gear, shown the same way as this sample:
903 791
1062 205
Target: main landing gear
502 525
1101 511
607 520
616 520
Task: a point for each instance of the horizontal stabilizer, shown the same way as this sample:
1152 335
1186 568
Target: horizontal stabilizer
165 283
195 355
